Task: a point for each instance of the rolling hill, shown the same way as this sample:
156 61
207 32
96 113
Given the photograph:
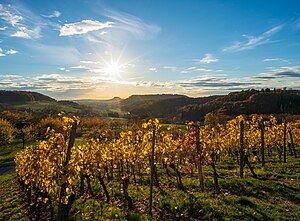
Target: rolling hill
162 105
36 102
246 102
13 97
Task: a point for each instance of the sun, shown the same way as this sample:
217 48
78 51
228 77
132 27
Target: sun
113 70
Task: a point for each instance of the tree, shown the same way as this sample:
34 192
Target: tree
7 131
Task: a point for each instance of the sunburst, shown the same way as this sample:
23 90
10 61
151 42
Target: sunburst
113 70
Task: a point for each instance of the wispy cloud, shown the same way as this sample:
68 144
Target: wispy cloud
297 24
60 55
213 82
79 67
171 68
90 62
11 77
276 59
9 16
57 83
22 23
282 72
201 84
204 70
55 14
83 27
207 59
253 41
3 28
132 24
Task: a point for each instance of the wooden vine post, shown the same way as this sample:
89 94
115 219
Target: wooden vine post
262 129
242 151
152 171
293 144
63 209
198 158
284 141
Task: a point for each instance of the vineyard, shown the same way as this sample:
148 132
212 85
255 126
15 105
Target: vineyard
55 175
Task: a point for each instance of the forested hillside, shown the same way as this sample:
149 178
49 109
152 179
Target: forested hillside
246 102
11 97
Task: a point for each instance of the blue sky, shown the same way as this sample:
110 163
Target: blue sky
101 49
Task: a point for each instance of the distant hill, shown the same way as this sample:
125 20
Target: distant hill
137 101
97 101
36 102
246 102
104 108
162 106
13 97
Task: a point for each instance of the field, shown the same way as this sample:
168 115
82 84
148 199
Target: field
42 106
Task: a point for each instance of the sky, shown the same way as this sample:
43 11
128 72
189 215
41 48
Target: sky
99 49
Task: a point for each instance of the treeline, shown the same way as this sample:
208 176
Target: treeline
246 102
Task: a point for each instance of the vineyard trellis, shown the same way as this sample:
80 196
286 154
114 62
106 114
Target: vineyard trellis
55 172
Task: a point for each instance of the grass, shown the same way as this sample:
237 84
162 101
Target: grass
275 195
10 204
41 105
8 152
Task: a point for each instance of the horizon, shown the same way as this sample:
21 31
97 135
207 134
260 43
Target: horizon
104 49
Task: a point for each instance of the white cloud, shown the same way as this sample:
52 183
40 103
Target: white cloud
20 34
83 27
1 53
253 41
55 14
79 67
89 62
9 16
207 59
153 69
11 51
3 28
204 69
24 32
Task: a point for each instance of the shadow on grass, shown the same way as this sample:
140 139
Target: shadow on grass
261 189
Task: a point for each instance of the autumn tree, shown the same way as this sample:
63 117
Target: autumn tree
7 131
